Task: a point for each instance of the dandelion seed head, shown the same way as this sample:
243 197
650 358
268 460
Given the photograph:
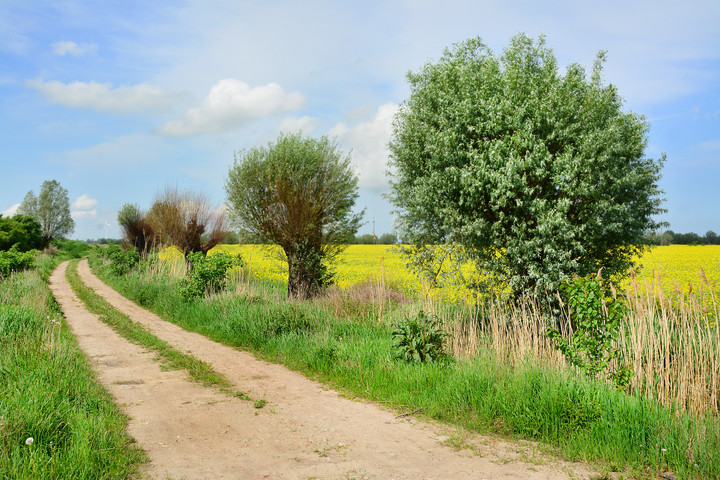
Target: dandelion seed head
29 441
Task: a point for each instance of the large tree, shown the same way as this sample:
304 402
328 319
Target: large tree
51 208
299 194
535 174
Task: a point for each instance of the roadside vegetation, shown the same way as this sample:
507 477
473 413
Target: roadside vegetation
496 371
56 421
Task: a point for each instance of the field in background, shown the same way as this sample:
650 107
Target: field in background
678 268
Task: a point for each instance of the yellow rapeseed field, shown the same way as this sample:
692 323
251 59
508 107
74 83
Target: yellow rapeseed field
679 268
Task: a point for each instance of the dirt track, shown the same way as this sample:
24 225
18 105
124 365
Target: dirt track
305 431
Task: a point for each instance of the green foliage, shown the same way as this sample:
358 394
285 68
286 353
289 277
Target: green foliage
51 209
419 339
538 175
298 193
14 261
72 248
207 273
122 261
595 320
20 230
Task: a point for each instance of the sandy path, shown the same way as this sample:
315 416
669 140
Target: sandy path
306 430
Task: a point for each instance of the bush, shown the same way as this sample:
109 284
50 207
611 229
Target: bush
122 261
14 261
207 273
72 248
595 319
419 339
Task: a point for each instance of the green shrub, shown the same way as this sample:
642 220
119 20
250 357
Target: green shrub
595 319
14 261
72 248
419 339
207 273
122 261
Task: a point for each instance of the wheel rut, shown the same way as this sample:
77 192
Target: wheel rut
305 430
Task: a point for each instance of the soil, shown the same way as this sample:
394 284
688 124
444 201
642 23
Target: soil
304 431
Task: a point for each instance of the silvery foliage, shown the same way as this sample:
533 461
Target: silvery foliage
537 175
51 209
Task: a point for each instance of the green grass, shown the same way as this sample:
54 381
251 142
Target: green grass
135 332
48 392
581 419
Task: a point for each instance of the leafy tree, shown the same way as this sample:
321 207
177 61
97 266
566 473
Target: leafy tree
538 175
364 239
51 208
387 239
137 230
185 220
298 193
711 238
20 230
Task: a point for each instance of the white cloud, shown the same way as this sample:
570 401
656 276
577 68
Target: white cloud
72 48
303 124
368 141
84 214
231 103
11 211
103 97
84 202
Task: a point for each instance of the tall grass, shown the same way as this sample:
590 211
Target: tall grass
56 421
507 377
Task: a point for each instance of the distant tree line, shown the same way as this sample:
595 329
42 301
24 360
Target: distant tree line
233 238
669 237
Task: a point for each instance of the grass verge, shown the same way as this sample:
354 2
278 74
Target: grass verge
56 421
169 357
582 419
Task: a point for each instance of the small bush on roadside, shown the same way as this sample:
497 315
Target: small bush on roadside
419 339
207 273
14 261
122 261
595 319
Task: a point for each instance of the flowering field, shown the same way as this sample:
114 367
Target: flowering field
678 267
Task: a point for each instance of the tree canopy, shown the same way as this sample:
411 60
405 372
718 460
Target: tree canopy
298 193
534 174
51 209
20 230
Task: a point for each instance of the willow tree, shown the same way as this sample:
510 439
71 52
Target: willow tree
298 193
51 209
535 174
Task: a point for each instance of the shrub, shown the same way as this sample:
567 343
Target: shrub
207 273
419 339
595 319
122 261
14 260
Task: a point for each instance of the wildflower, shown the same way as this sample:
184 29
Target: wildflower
29 441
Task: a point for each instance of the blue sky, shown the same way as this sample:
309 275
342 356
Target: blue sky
117 100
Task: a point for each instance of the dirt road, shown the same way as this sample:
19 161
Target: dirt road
305 431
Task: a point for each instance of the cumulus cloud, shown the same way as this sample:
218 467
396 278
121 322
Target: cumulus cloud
84 202
303 124
84 207
368 141
103 97
231 103
11 211
74 49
